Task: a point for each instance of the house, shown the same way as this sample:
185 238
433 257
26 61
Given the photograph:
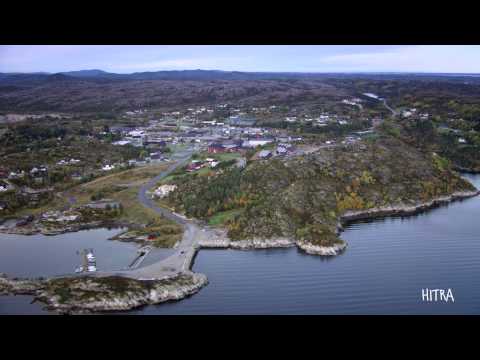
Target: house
230 147
121 142
265 154
156 156
164 190
16 175
108 167
281 151
40 171
76 177
239 120
215 148
34 196
462 141
256 142
195 165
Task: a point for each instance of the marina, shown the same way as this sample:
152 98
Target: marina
89 262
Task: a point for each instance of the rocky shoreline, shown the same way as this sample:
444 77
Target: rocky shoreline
247 244
89 294
312 249
402 209
347 217
36 229
272 244
95 294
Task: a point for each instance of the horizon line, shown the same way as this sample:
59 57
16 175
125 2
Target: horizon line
249 72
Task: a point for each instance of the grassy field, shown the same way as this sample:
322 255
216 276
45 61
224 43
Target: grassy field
122 187
125 186
221 218
224 156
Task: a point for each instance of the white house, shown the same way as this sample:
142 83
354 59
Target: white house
164 190
108 167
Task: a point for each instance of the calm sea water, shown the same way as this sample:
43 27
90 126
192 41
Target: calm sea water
383 270
39 255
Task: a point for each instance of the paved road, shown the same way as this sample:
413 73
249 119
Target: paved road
394 113
147 201
180 260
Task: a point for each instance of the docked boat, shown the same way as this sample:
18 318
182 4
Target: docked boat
89 262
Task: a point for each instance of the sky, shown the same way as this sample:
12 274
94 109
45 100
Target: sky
271 58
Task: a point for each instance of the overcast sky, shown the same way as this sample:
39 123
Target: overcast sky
305 58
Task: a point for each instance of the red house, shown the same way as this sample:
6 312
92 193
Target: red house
216 148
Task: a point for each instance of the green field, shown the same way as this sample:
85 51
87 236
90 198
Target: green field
222 217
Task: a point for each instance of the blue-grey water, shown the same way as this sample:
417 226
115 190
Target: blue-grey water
40 255
383 271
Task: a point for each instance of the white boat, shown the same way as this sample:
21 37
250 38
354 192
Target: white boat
92 268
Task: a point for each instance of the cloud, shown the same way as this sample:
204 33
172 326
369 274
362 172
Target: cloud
216 63
428 58
314 58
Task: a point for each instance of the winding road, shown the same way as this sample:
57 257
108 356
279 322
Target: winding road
394 113
185 250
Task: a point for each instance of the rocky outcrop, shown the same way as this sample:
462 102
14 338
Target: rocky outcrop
247 244
19 286
103 294
402 209
273 243
321 250
38 228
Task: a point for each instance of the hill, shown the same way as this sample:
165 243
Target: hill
306 197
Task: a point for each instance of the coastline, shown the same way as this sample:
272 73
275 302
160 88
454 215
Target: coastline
402 209
28 230
185 282
110 299
346 218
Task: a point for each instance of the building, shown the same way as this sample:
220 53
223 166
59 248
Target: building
76 177
164 190
252 143
265 154
108 167
239 120
281 151
216 148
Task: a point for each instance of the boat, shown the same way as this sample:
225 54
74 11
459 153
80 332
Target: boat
89 262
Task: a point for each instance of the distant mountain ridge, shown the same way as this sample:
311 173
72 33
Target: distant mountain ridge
96 90
198 74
